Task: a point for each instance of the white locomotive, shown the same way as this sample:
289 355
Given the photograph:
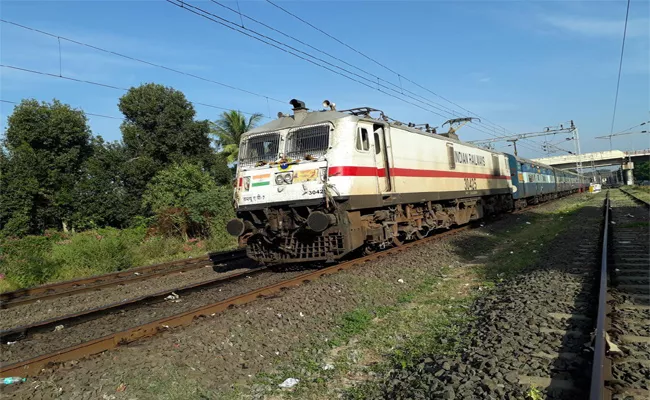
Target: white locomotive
319 185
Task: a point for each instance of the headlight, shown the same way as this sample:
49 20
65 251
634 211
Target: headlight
278 179
322 174
288 178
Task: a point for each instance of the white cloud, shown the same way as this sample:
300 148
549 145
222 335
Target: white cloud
598 27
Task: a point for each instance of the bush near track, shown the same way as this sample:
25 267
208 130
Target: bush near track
35 260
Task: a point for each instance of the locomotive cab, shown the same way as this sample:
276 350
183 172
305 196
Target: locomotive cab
281 192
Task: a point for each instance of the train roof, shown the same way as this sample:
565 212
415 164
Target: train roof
299 119
303 117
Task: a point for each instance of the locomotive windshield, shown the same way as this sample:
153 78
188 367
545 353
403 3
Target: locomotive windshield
310 140
258 148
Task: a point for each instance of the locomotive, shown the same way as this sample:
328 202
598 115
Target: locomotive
318 185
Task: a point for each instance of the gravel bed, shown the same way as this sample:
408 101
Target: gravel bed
47 309
42 343
634 374
629 266
510 341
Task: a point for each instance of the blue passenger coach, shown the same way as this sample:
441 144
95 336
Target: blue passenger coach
534 182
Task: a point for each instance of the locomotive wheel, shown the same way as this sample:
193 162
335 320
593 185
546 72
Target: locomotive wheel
397 242
421 234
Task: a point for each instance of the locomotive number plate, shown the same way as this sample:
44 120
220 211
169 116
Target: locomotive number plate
470 183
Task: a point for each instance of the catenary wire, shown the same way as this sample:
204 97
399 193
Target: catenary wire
379 63
426 101
86 113
245 31
437 105
106 85
142 61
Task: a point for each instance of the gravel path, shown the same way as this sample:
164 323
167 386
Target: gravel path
530 331
47 309
227 351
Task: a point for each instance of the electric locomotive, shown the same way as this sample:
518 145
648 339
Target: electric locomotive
315 186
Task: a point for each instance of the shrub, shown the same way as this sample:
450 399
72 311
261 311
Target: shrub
96 252
25 261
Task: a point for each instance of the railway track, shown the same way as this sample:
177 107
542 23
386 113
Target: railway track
621 368
33 365
99 282
73 319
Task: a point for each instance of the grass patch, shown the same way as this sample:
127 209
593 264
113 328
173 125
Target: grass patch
642 192
55 256
354 323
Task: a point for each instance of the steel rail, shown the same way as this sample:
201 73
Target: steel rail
76 286
24 331
32 366
597 389
636 198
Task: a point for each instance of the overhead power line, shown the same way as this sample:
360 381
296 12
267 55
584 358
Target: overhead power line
87 113
378 63
437 105
632 127
143 61
232 25
398 89
401 90
107 86
620 67
287 48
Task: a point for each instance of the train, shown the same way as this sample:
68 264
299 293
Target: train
316 186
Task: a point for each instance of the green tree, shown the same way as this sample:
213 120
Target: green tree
159 124
181 196
228 131
46 146
172 186
101 195
160 130
642 171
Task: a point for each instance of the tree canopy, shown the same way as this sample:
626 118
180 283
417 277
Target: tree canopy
228 130
642 171
46 146
54 174
159 124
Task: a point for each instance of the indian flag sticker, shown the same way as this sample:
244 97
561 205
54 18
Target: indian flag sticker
261 180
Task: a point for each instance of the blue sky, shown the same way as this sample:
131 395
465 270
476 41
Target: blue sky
521 65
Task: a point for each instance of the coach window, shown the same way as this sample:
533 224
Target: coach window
363 143
377 144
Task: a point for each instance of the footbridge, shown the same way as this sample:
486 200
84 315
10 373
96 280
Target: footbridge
625 159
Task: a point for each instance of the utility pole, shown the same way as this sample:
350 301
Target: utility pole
514 143
576 140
